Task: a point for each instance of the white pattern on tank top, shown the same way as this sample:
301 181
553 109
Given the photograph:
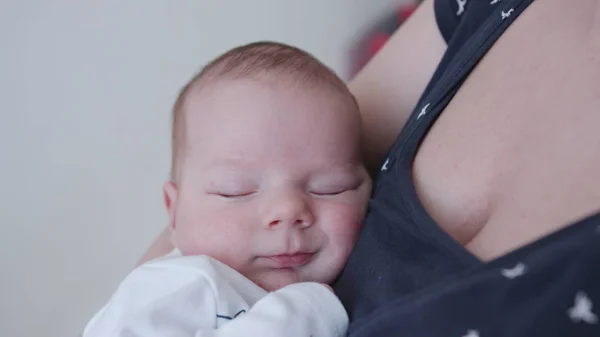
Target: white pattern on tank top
472 333
384 167
582 309
423 111
461 6
505 15
518 270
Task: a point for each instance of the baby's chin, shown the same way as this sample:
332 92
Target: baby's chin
278 278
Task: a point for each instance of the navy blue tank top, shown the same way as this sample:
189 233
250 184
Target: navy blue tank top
408 277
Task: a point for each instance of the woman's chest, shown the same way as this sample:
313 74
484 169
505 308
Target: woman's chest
516 153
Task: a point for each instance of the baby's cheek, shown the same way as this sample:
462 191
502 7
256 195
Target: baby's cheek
193 237
219 240
343 229
187 242
353 215
341 240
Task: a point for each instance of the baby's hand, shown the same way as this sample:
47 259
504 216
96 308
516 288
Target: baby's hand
303 309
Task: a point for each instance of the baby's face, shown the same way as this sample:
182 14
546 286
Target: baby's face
272 182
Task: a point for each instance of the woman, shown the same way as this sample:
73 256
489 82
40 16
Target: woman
482 117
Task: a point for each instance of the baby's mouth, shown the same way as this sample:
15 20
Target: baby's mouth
289 260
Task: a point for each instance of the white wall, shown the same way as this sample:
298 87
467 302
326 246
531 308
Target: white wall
85 93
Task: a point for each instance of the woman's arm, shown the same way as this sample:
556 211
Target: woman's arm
387 89
161 246
389 86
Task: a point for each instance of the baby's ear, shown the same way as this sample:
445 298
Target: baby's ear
170 194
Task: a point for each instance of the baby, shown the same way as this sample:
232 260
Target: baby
266 200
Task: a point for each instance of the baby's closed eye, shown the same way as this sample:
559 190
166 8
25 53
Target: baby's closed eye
231 188
332 187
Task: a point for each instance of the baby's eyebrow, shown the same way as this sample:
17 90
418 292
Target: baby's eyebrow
229 165
342 168
230 170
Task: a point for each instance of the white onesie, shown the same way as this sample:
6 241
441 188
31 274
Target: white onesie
197 296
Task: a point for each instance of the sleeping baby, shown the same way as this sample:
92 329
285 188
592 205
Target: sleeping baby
266 199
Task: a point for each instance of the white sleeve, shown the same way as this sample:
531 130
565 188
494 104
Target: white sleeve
172 300
301 309
159 300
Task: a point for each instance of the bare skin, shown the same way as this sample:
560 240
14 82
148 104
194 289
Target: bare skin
516 154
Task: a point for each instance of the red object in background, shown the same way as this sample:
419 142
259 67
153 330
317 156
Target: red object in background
406 11
377 42
380 34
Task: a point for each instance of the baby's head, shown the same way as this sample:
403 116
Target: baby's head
267 174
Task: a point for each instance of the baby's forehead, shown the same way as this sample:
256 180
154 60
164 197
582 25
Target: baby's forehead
251 97
278 64
248 115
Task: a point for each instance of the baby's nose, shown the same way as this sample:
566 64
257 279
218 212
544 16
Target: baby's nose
289 211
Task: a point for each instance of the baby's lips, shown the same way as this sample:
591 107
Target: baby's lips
291 260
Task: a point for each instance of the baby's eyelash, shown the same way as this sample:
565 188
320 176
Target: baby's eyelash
234 195
330 193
